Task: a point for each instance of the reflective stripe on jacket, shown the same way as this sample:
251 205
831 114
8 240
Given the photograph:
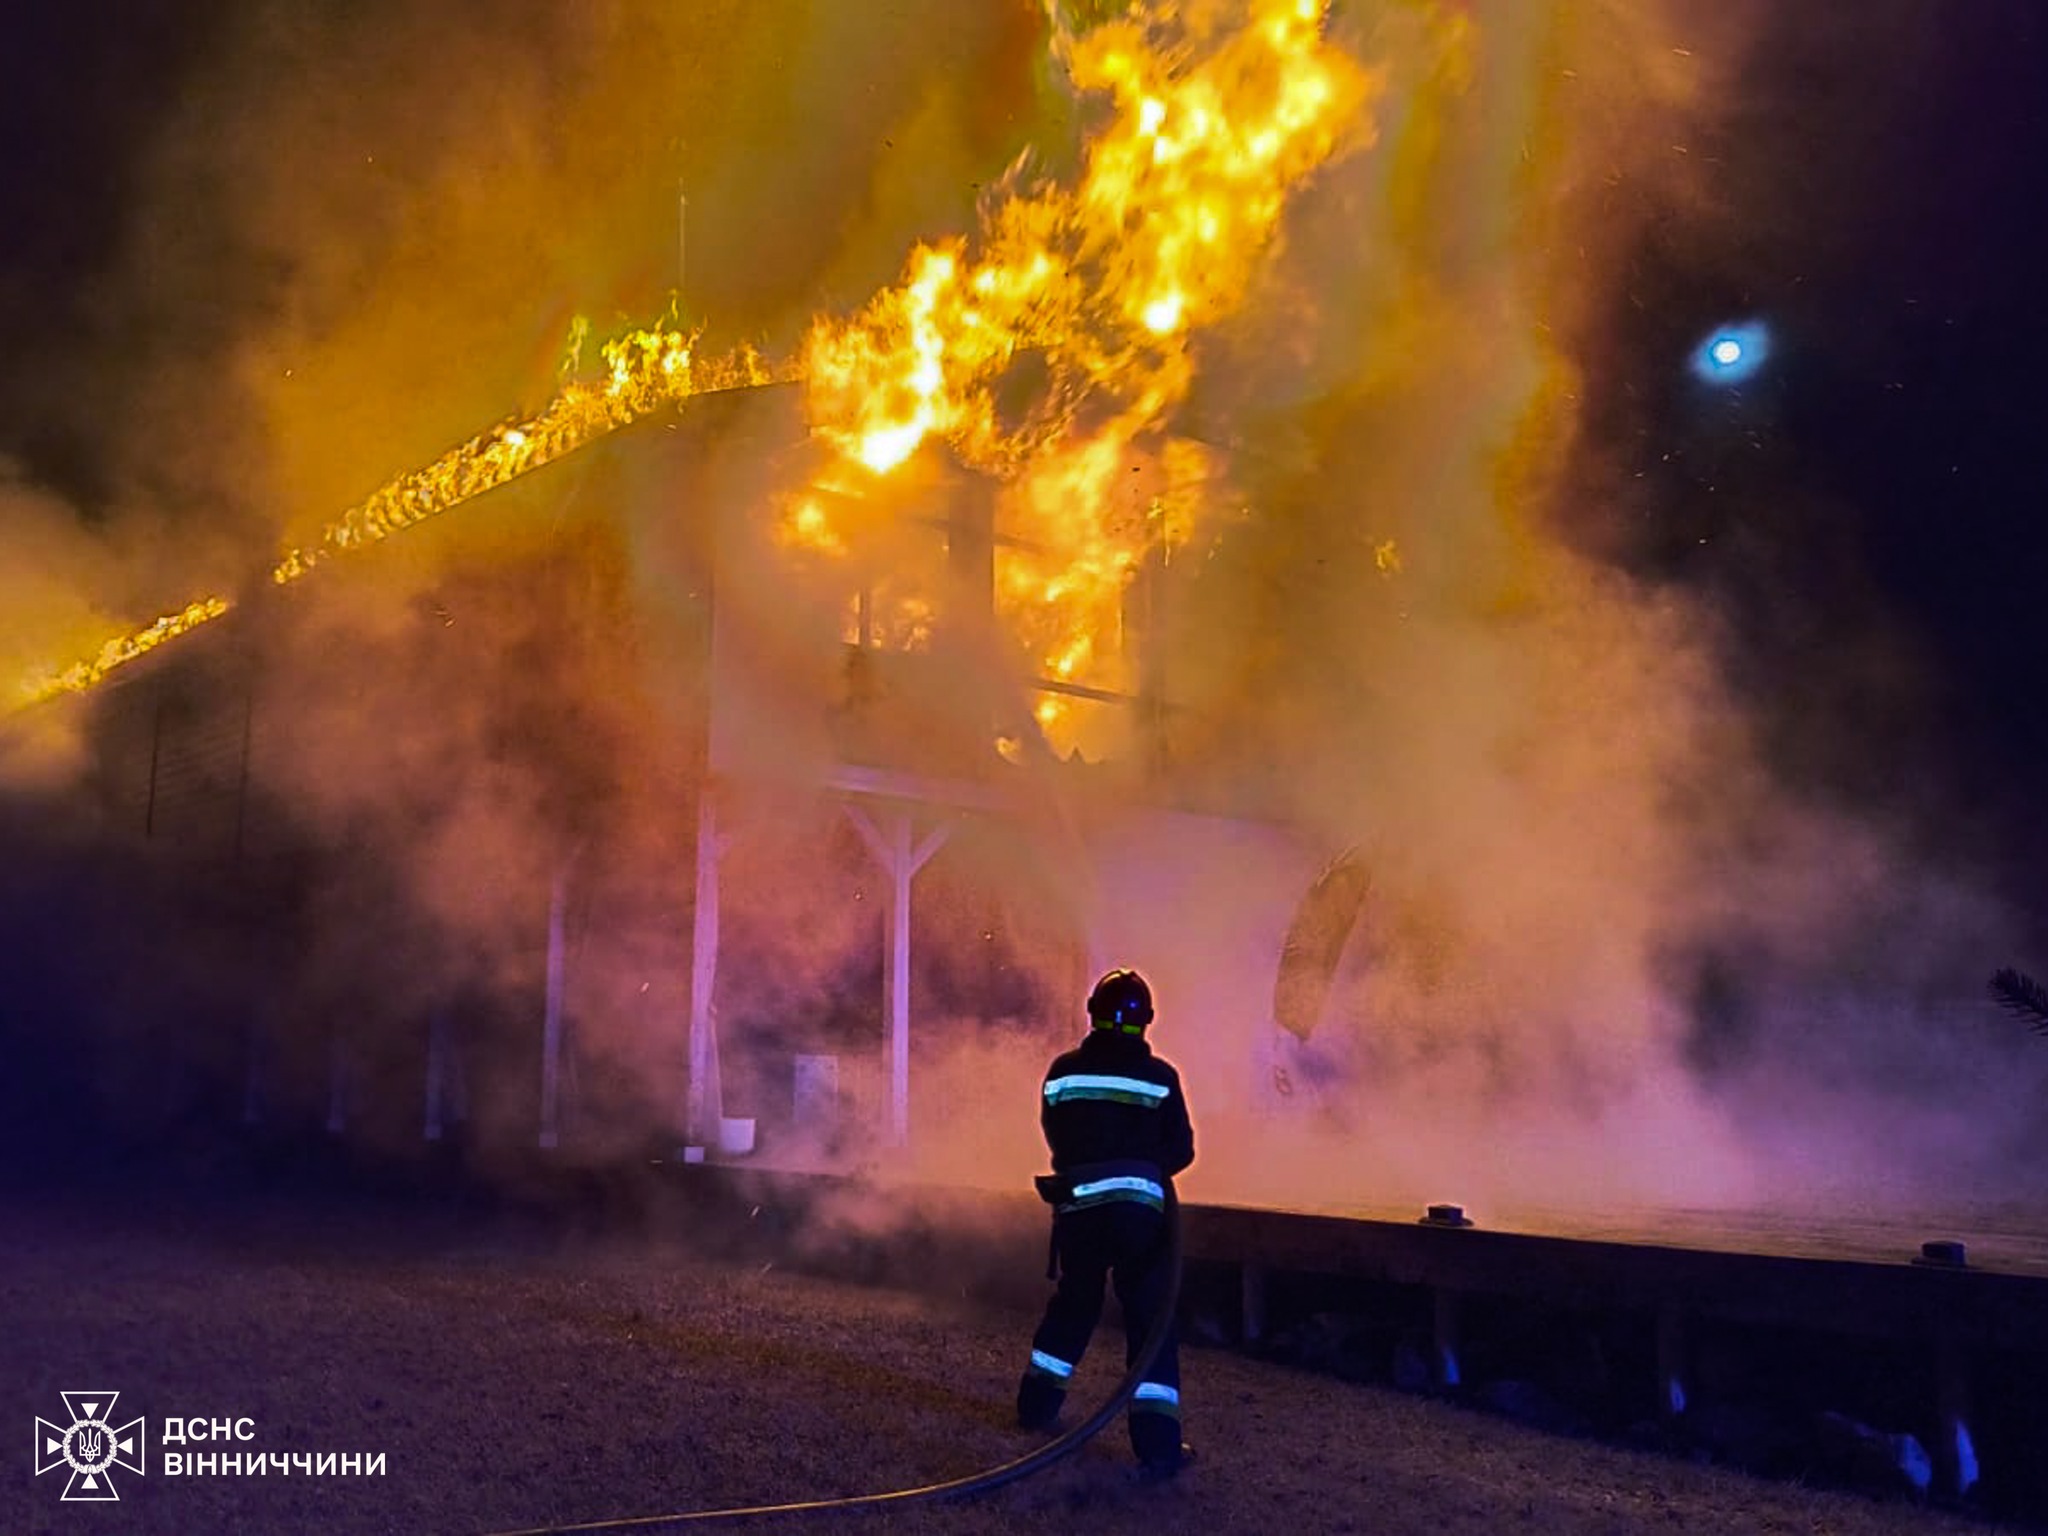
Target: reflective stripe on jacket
1115 1120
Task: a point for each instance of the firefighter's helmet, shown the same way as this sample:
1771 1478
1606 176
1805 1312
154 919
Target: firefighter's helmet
1121 1001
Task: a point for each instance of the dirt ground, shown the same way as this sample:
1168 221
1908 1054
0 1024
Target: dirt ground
513 1379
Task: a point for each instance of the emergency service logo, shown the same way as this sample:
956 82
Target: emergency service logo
89 1445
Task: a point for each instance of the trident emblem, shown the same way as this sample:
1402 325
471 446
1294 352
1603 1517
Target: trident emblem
89 1445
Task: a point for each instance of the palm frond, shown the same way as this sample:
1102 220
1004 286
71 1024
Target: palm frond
1314 947
2022 996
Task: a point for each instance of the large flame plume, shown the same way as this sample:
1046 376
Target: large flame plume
1107 282
1176 207
1211 119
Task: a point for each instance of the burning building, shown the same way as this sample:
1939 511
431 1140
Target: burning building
820 716
753 827
892 641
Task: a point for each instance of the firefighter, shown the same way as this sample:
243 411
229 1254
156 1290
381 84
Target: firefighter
1118 1128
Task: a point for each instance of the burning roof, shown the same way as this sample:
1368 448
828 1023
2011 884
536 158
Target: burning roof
1208 118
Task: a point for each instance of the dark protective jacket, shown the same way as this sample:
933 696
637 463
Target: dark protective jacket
1111 1102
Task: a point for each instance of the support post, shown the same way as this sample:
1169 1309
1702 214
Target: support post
337 1085
156 752
706 1100
971 557
1449 1371
682 247
902 859
1955 1449
1672 1396
1143 627
252 1081
242 778
551 1016
437 1072
1252 1300
897 991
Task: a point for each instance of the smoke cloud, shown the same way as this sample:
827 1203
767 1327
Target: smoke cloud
1611 953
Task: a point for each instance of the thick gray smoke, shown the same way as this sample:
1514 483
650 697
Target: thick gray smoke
1607 956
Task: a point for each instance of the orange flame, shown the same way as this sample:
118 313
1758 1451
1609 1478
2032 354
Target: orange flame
1177 206
1164 232
644 371
122 649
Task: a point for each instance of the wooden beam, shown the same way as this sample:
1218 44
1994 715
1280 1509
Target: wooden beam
1251 1290
1447 1365
901 872
1955 1448
437 1072
551 1014
919 788
705 1103
252 1081
931 843
337 1084
869 833
1672 1395
901 859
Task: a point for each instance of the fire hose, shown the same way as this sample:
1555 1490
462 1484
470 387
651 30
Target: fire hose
971 1486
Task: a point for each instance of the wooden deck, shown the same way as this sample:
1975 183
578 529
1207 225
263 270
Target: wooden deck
1684 1281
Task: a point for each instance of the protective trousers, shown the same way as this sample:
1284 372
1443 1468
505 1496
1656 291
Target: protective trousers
1122 1241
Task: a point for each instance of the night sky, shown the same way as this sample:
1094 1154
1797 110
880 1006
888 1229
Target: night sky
78 99
1869 508
1868 511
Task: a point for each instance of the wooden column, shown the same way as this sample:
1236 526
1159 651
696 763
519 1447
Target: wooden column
1448 1367
1673 1396
337 1084
437 1073
551 1015
1955 1448
705 1104
895 851
252 1081
1252 1300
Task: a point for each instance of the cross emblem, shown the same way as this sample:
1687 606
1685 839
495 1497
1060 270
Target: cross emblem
89 1445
